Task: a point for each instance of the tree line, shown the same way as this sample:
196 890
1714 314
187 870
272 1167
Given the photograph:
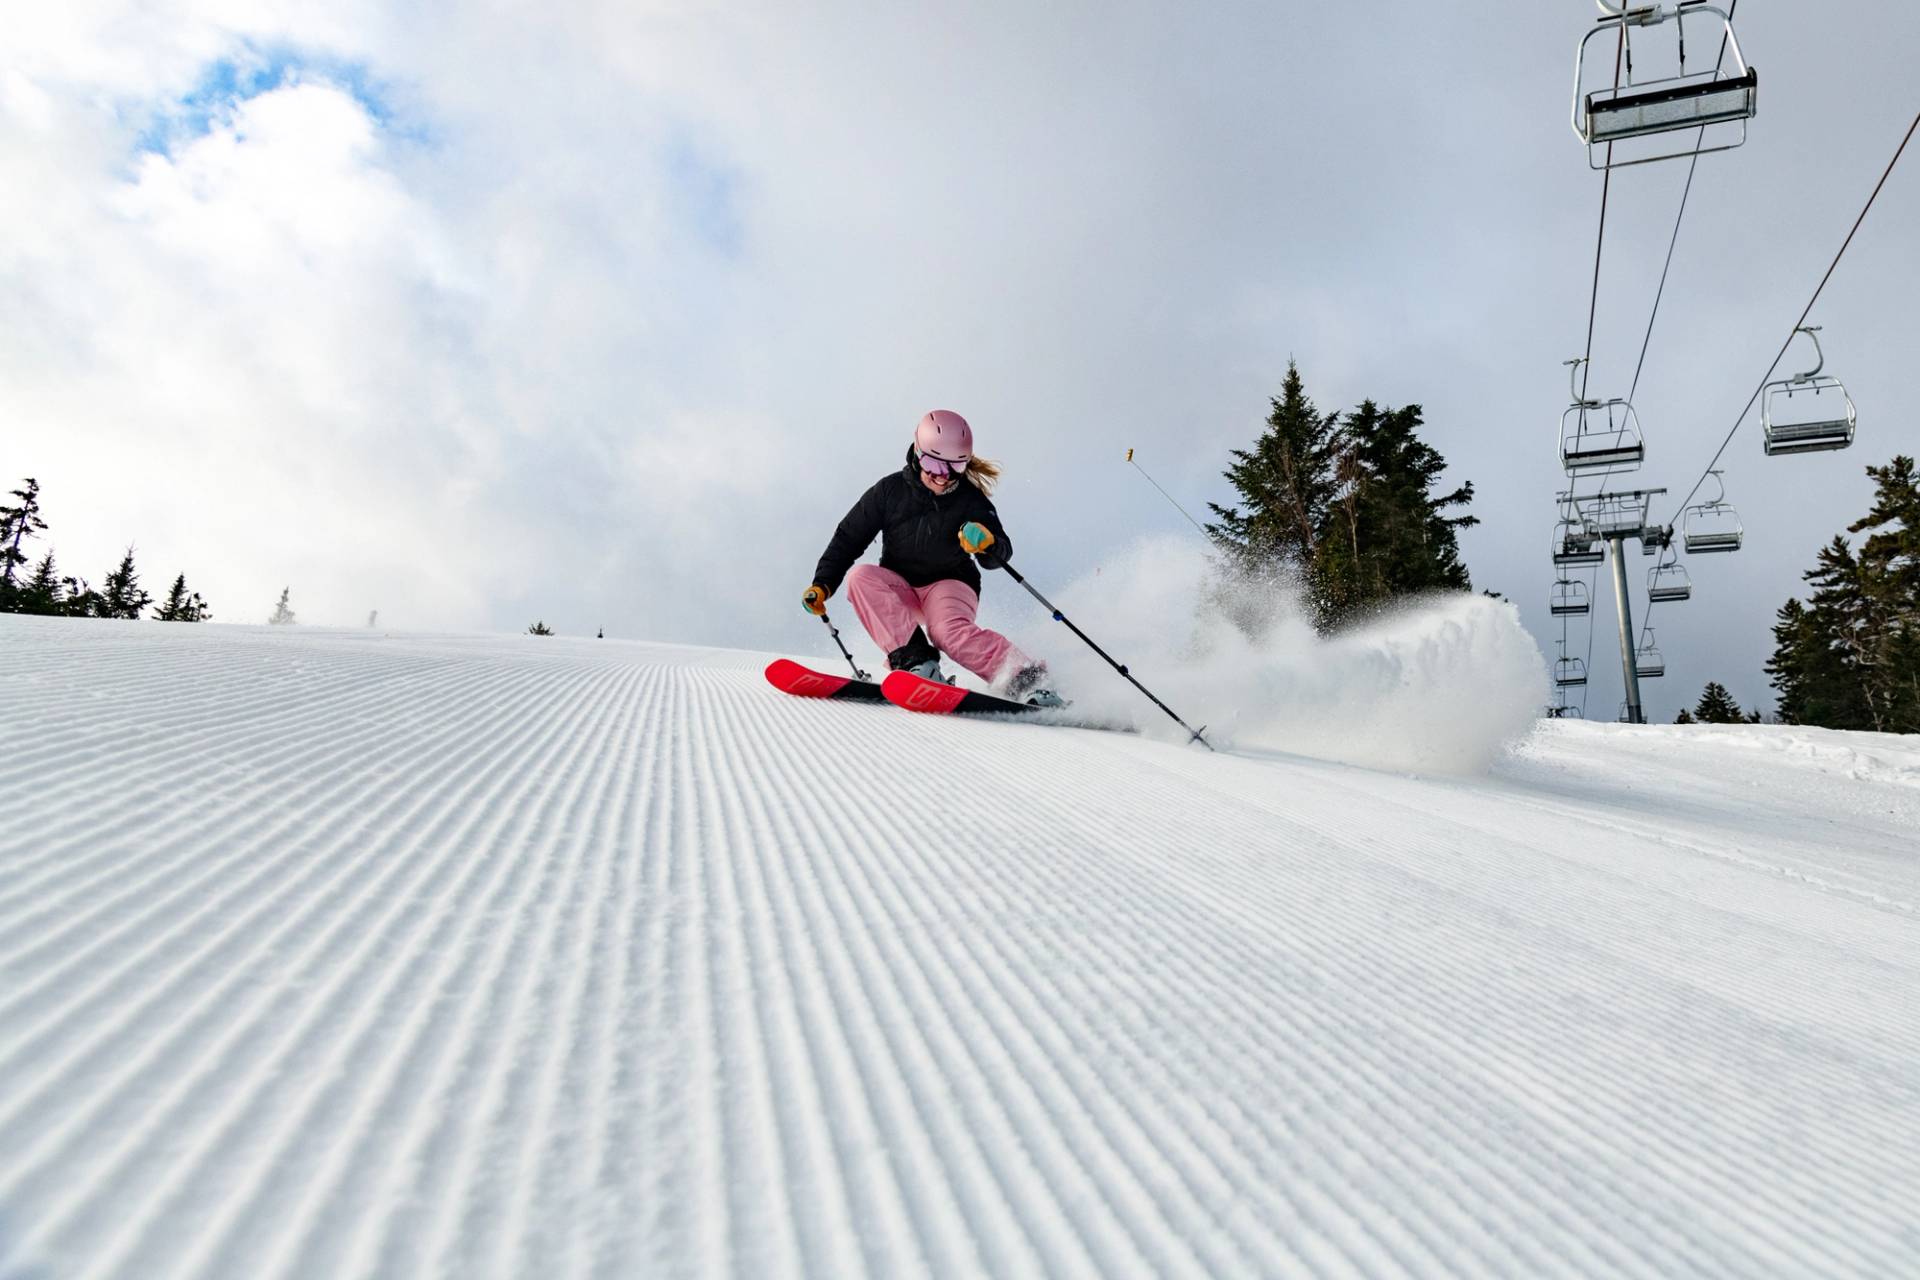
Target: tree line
45 591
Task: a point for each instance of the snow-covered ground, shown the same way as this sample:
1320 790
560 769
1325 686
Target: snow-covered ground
339 954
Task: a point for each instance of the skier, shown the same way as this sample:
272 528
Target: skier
934 519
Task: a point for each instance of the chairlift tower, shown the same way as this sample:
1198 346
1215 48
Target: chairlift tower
1614 518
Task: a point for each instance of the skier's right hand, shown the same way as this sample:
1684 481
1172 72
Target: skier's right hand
814 600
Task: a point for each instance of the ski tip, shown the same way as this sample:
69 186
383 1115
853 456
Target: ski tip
789 676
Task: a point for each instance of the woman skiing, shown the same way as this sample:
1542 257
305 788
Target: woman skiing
934 518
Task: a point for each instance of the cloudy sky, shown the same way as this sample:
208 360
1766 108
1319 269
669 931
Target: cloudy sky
602 312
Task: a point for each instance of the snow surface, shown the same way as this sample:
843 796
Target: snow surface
343 953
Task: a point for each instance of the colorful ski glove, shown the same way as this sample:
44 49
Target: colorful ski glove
814 600
975 537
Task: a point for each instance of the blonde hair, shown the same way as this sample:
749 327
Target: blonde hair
982 473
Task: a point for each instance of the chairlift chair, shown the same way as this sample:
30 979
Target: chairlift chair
1597 435
1647 660
1669 581
1573 546
1569 598
1627 109
1808 412
1710 527
1617 515
1569 673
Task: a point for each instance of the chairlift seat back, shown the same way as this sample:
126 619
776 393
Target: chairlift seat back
1688 102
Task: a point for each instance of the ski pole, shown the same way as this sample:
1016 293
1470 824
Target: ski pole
1061 617
1169 497
857 672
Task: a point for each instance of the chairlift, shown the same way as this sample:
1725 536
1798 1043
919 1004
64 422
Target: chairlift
1569 673
1808 412
1655 540
1669 581
1648 663
1617 515
1569 598
1708 527
1599 435
1627 108
1572 545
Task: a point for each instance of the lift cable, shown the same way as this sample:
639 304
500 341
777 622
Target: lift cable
1821 287
1692 166
1818 289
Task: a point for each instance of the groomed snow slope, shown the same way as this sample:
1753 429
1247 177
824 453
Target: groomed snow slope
336 954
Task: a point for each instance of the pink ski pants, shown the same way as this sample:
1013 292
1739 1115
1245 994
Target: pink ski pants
890 609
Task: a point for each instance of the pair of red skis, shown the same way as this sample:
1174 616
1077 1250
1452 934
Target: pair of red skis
901 688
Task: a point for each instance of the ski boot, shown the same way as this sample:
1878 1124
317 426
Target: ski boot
1029 685
918 657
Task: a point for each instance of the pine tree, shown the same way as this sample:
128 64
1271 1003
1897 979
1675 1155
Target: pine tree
282 611
1888 621
1716 706
1346 505
41 594
181 606
1391 535
82 600
122 596
17 523
1285 482
539 629
1850 657
1685 717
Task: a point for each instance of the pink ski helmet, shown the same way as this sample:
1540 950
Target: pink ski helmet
944 440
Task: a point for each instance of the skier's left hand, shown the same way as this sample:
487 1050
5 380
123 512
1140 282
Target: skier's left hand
975 538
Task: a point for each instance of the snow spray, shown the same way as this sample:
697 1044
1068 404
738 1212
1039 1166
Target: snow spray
1439 684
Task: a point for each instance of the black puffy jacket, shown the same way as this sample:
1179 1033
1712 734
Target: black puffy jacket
919 531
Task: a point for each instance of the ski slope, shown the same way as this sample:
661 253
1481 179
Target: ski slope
343 954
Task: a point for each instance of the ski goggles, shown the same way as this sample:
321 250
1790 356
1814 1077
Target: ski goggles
940 466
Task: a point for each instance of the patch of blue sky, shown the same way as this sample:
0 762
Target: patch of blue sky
227 82
706 196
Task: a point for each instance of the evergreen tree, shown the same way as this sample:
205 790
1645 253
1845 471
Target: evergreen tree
1286 484
82 600
122 596
1685 717
1849 658
1346 504
181 606
1716 706
41 594
539 629
1888 637
282 611
1391 535
17 523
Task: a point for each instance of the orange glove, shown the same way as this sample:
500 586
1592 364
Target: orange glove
814 600
975 538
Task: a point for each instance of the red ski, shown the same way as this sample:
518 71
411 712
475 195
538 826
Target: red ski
790 677
904 689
